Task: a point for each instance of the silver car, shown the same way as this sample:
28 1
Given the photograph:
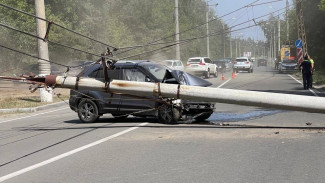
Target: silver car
175 64
243 64
288 66
201 66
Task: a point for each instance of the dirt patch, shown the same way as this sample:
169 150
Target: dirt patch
17 94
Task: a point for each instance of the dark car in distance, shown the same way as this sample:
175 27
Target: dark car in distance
90 105
261 62
223 64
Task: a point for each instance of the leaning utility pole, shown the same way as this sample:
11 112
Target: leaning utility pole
236 46
178 53
287 19
274 45
230 43
185 92
224 40
207 27
43 52
279 34
301 27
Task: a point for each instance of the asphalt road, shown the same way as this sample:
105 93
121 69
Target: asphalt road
237 144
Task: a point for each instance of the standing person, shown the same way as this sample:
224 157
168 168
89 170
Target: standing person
312 71
276 63
306 69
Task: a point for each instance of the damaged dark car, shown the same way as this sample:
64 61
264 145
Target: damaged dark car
90 105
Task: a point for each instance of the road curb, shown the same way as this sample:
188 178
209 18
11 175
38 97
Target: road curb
34 109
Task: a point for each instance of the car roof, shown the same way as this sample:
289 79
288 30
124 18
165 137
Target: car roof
242 58
172 61
132 61
197 57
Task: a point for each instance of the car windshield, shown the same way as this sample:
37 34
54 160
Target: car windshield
158 71
194 60
289 61
241 60
169 63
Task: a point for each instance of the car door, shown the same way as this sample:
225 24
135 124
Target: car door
209 64
133 104
109 103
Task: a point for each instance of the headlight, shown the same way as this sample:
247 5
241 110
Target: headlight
178 101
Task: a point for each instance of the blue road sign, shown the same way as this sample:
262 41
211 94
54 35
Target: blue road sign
298 43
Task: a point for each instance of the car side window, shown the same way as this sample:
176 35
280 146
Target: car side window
206 60
133 75
98 74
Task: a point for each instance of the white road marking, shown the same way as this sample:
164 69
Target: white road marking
226 82
34 115
312 91
56 158
223 83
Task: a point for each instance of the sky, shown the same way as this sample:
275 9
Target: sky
227 6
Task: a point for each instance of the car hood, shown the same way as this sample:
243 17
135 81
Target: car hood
288 64
185 78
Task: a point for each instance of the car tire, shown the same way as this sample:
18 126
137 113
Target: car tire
215 74
120 116
203 117
168 114
88 111
249 70
207 74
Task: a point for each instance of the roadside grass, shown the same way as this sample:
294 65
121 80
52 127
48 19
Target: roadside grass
27 101
9 114
319 78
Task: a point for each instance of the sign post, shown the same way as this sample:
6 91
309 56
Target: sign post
298 44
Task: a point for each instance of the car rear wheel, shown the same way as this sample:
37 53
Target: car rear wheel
207 74
88 111
168 114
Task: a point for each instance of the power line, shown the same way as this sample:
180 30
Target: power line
23 53
34 36
61 26
184 41
246 6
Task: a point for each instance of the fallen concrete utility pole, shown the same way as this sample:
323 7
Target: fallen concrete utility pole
194 93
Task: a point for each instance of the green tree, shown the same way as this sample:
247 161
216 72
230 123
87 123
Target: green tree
322 5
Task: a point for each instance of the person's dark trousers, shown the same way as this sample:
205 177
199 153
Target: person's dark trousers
306 80
311 81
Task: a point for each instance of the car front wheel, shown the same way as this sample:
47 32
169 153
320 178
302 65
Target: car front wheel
215 73
88 111
168 114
